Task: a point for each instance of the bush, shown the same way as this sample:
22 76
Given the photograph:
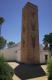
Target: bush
49 68
6 72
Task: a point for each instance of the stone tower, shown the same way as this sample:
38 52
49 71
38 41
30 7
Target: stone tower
30 35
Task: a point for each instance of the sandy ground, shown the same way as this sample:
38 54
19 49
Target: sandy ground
14 65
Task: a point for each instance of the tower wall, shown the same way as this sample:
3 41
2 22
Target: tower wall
30 35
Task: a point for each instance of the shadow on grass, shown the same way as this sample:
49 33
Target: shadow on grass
27 71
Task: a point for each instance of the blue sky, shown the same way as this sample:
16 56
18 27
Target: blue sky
11 10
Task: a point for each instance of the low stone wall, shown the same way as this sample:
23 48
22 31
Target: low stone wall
12 54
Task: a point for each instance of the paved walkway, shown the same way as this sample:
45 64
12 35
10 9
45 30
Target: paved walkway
15 65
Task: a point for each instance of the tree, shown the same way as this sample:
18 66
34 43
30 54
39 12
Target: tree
45 41
10 44
6 72
2 42
48 40
49 69
1 22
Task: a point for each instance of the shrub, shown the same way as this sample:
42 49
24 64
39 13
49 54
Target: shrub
49 69
6 72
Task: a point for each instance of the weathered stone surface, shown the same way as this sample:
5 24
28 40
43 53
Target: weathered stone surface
30 35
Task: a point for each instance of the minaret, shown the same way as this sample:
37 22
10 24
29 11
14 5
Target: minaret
30 35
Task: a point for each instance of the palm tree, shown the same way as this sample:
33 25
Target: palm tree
1 22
